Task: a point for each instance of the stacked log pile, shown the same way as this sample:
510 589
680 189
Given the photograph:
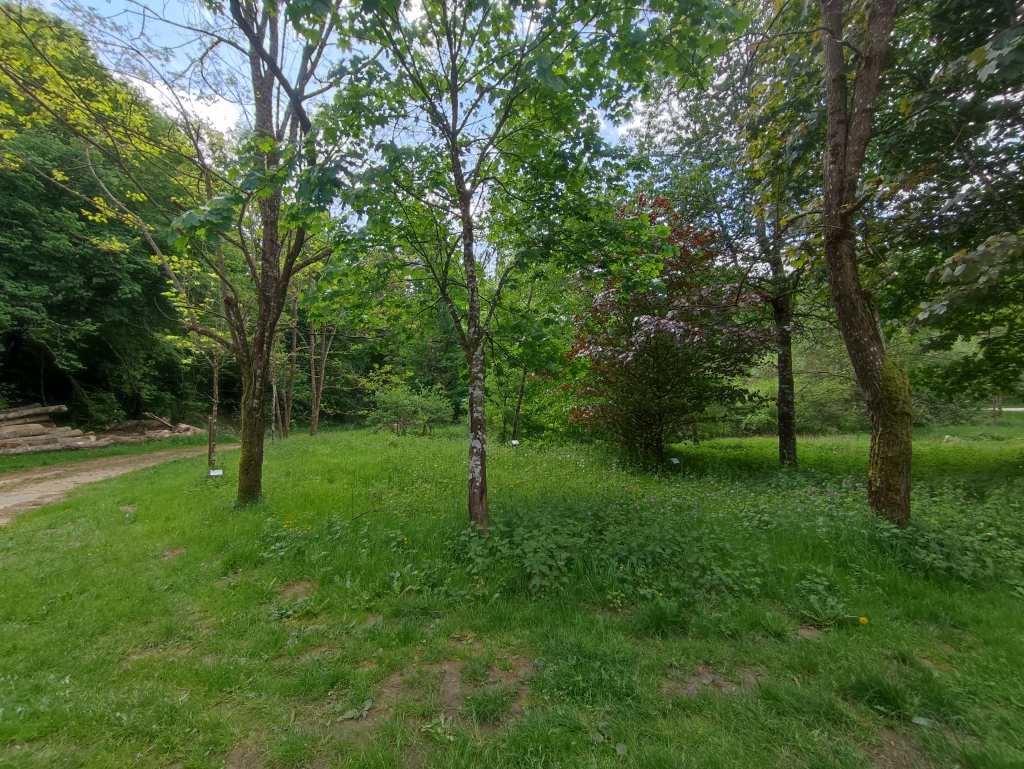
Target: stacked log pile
28 430
152 428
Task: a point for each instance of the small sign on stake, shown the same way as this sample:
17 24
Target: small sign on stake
216 473
515 443
675 463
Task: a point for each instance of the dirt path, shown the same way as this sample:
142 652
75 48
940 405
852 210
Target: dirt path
25 490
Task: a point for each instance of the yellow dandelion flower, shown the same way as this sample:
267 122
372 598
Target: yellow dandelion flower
863 620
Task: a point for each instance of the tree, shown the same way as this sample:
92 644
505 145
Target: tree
253 228
850 108
459 108
735 152
663 350
949 142
83 318
983 300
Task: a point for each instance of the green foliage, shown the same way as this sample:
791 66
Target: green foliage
398 408
84 318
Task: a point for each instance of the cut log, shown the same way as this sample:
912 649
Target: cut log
21 431
36 420
31 411
162 421
122 439
76 443
50 436
38 440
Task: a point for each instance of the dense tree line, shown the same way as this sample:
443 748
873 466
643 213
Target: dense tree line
420 214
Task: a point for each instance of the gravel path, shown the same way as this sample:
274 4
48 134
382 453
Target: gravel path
25 490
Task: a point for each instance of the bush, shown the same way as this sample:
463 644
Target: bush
398 408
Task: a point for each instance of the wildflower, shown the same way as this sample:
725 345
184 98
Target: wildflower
863 620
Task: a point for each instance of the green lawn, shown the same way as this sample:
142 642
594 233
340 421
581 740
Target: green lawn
706 618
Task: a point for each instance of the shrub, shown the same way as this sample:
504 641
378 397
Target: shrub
663 349
398 408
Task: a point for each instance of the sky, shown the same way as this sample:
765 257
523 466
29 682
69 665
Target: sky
215 109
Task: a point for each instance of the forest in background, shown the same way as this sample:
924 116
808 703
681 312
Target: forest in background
613 225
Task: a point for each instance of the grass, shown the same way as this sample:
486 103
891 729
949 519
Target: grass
705 618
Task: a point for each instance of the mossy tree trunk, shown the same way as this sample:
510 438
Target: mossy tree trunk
886 388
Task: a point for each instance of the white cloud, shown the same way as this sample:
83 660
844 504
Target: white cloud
215 111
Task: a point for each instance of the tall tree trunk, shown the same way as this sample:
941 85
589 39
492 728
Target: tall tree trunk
519 404
275 411
212 435
886 387
473 350
522 378
256 362
782 322
477 441
254 425
289 396
782 316
318 370
314 391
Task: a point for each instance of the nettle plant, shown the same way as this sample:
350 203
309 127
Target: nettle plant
668 334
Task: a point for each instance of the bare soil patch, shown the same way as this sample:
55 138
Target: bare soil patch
302 589
437 688
243 757
896 751
707 678
808 633
516 669
316 651
26 490
173 553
